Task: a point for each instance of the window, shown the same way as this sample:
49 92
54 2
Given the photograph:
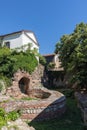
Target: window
7 44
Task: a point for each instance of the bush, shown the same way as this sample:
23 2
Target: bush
42 60
51 65
4 117
3 120
4 82
13 115
2 112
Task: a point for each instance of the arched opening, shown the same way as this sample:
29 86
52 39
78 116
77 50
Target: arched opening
24 85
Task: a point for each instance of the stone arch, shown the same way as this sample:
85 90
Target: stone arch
20 78
24 83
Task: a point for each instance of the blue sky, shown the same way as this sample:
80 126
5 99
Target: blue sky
48 19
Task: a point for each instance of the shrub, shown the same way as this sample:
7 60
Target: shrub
4 117
13 115
2 112
3 120
42 60
51 65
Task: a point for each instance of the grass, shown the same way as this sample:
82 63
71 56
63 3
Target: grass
28 98
71 120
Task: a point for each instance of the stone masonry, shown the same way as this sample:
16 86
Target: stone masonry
28 81
41 109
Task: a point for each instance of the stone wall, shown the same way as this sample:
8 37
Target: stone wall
37 79
37 76
41 109
34 80
14 90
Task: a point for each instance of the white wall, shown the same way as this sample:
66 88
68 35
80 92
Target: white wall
14 39
26 40
19 39
56 60
30 34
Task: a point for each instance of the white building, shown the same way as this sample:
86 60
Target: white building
19 39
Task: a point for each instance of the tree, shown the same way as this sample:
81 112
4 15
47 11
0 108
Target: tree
72 49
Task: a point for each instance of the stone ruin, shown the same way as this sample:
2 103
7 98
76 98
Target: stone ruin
23 82
20 85
46 104
49 105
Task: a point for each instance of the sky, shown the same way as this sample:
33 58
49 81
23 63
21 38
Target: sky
48 19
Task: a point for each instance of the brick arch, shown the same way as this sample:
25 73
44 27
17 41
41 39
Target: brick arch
24 83
20 77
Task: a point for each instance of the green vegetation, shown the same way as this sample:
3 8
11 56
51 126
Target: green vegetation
42 60
71 120
4 117
72 49
51 65
1 87
13 115
12 60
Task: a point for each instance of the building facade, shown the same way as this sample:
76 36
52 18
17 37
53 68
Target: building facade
20 39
